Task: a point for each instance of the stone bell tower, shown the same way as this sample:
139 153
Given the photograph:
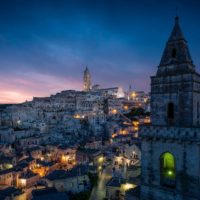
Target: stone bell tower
86 80
170 145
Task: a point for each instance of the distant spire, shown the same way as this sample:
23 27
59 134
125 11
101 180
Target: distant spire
86 68
86 80
130 88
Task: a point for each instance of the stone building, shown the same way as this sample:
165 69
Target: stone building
75 180
86 80
170 145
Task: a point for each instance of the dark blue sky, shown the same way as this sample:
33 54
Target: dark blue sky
45 44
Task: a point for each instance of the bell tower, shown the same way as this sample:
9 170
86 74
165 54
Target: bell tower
175 93
170 144
86 80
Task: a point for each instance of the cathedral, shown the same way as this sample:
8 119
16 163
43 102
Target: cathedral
171 143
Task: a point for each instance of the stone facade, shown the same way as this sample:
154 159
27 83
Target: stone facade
170 145
176 82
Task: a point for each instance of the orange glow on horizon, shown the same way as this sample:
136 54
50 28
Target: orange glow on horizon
16 89
13 97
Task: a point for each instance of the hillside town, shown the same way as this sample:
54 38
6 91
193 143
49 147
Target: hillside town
73 144
72 127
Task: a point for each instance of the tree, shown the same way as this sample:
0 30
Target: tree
135 112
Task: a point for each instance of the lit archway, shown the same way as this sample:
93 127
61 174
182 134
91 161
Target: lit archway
168 166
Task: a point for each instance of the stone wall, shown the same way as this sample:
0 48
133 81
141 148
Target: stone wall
183 143
181 90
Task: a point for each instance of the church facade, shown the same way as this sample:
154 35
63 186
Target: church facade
171 144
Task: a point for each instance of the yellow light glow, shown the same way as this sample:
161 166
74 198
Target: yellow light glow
145 100
77 116
123 132
126 123
118 159
100 160
64 158
147 120
125 107
114 111
23 182
136 123
42 158
114 135
41 171
8 166
128 186
133 94
170 172
100 167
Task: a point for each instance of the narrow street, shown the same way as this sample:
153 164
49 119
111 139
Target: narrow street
99 192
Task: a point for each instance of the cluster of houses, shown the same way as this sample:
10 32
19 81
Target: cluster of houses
40 166
51 166
52 144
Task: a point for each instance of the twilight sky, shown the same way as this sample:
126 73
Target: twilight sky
46 44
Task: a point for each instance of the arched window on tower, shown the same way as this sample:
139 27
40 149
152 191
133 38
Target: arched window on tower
170 112
174 53
168 169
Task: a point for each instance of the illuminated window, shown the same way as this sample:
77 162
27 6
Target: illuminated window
168 169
